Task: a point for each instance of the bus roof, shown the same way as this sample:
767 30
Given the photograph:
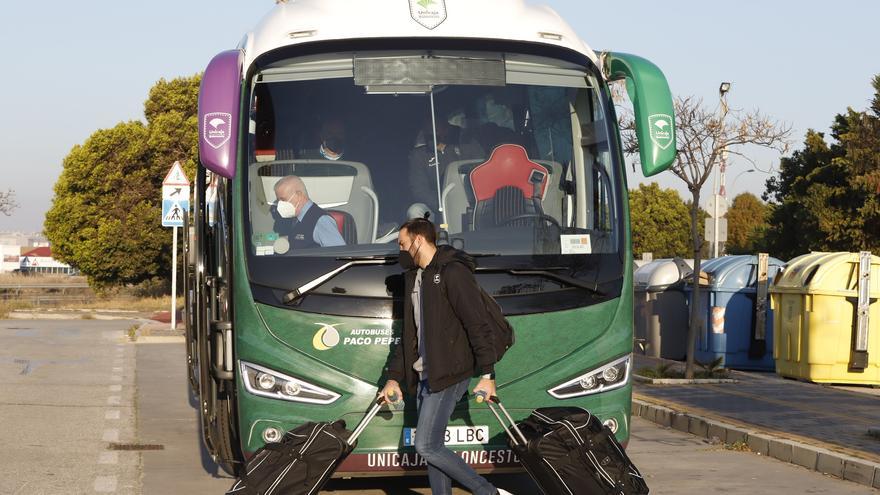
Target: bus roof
304 21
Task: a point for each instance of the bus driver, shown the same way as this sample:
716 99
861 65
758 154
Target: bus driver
299 222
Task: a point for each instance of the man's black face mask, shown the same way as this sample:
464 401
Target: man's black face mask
406 260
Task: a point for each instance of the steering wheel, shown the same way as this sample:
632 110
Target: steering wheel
539 216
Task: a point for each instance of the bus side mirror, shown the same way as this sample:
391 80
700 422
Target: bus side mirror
652 102
219 108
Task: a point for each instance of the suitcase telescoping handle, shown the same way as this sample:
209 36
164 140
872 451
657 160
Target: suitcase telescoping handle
377 405
492 401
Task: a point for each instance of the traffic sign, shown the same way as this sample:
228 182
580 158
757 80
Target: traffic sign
710 230
172 212
722 206
175 196
176 176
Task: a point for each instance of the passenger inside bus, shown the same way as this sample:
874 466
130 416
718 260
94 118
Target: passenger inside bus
332 142
299 222
423 172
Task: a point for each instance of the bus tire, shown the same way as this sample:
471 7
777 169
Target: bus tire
228 457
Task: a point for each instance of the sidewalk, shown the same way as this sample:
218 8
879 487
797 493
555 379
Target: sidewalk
819 427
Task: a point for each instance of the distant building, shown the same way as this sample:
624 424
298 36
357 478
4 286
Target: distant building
26 239
10 258
39 260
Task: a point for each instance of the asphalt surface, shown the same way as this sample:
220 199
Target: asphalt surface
809 412
66 394
58 412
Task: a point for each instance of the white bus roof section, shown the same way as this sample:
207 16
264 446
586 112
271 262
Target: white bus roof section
306 21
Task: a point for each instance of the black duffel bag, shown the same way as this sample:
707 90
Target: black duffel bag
568 451
303 461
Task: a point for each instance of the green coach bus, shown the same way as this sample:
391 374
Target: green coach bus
493 119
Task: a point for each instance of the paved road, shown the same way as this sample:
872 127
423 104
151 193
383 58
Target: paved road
815 413
66 394
57 378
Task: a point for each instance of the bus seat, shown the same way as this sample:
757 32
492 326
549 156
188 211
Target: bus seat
345 224
505 184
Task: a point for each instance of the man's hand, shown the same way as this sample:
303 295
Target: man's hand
391 390
487 386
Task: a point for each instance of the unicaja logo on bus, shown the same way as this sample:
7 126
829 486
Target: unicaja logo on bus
216 128
428 13
660 125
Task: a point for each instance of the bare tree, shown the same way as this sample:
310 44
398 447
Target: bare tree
7 202
704 138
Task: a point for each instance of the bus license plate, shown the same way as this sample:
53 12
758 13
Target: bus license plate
455 435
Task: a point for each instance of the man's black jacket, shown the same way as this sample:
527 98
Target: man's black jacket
458 339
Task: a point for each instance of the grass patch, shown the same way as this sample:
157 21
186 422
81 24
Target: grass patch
711 370
87 316
738 447
130 303
19 279
132 332
8 306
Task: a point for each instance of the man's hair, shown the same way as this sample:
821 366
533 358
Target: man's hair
422 227
291 183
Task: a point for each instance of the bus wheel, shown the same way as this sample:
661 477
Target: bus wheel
228 457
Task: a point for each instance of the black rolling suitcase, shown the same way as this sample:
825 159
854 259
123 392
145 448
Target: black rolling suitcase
303 461
568 451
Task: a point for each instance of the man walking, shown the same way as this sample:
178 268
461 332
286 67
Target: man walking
446 341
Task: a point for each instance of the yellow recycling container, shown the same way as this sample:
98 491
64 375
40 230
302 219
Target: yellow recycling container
827 318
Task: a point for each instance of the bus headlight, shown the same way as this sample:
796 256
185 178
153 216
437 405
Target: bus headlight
274 385
602 379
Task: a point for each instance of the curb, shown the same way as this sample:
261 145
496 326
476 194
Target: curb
809 456
683 381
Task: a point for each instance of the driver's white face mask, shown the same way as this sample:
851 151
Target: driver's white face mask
286 209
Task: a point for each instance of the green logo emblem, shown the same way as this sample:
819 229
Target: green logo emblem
661 129
428 13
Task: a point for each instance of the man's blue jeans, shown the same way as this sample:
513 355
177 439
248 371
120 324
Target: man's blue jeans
435 409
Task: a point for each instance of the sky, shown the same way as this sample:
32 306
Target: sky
74 67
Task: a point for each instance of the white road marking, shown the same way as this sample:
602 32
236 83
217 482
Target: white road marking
113 400
105 484
110 435
117 369
112 414
116 378
108 458
115 388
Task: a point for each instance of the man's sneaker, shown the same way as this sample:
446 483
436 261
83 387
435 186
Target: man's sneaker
503 492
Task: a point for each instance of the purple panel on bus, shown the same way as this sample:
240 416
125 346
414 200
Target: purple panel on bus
219 100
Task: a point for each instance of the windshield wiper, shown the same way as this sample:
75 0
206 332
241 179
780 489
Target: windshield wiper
351 261
546 273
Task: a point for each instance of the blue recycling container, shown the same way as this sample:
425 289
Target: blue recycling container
728 315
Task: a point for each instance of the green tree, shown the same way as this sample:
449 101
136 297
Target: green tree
105 216
660 221
826 195
746 224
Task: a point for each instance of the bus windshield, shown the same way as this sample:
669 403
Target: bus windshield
509 156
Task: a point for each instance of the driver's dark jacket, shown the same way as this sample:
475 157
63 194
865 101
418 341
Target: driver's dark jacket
458 338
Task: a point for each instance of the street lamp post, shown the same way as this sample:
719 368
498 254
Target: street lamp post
723 89
740 175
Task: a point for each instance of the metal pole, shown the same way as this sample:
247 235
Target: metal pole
716 196
437 163
174 281
715 216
